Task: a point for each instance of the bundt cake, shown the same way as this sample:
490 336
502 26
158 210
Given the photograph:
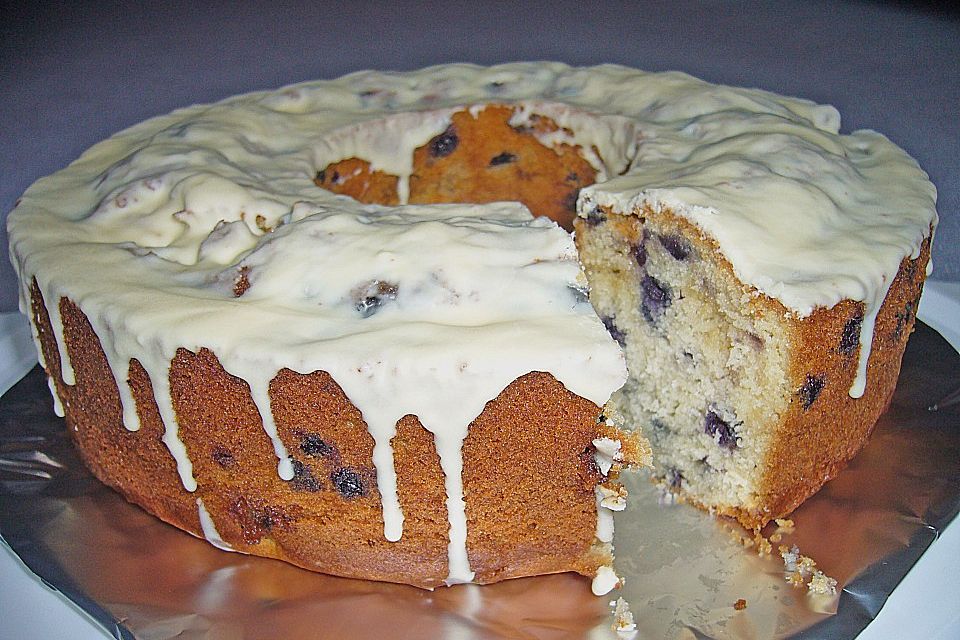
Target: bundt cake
269 322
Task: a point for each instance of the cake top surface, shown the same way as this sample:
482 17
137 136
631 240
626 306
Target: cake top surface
805 215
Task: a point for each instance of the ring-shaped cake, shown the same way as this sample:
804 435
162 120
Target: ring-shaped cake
306 324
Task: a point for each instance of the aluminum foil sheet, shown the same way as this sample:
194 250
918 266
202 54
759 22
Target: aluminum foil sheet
684 569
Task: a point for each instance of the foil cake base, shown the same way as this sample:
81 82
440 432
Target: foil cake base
685 570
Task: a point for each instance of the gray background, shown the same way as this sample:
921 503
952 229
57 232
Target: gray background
70 76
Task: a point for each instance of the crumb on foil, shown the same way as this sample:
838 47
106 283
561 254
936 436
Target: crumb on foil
740 604
784 525
623 622
764 548
822 583
802 570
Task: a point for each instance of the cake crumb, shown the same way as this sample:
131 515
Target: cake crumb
764 548
623 622
806 564
740 604
784 525
794 579
821 583
798 568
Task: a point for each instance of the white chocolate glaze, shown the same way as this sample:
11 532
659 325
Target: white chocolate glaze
604 518
57 405
209 528
476 297
607 452
433 310
605 581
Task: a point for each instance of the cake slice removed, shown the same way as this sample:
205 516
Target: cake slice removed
749 407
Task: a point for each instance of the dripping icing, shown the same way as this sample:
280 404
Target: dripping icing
209 528
867 327
56 321
260 393
57 405
383 432
120 369
160 380
605 581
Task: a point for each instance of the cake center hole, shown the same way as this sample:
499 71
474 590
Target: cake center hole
538 155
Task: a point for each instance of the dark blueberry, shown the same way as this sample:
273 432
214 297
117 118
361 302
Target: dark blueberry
504 158
903 319
675 246
335 178
303 478
596 217
313 445
656 298
615 332
674 478
639 253
256 518
720 430
444 144
810 390
223 457
373 296
321 176
658 425
850 338
347 482
910 271
639 250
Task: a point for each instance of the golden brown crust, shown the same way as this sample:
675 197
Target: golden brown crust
823 431
553 513
479 159
528 468
353 177
118 457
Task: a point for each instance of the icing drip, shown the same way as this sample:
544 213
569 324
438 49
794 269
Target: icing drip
259 391
57 405
159 379
131 419
459 565
53 311
604 518
607 452
605 581
120 368
210 529
386 478
34 334
871 310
